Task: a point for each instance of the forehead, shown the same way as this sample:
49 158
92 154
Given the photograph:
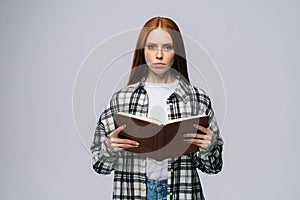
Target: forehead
159 36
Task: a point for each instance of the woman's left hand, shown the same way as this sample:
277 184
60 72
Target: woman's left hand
203 140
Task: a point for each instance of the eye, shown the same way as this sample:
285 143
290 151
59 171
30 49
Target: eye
150 46
168 47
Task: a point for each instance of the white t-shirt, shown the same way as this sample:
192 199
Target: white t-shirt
158 94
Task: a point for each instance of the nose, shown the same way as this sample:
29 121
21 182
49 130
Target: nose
159 54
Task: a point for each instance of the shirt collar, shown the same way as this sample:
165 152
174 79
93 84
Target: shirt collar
182 90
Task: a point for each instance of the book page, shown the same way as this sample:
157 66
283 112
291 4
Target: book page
146 119
184 118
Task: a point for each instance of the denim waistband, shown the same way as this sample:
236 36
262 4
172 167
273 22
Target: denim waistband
157 189
157 183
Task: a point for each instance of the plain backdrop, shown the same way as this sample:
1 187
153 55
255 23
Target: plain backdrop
255 45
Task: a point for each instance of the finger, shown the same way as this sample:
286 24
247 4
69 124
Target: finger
122 146
197 135
194 135
116 132
200 143
195 141
203 129
123 141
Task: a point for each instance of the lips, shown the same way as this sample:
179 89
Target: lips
159 64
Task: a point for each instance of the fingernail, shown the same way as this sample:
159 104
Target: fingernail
124 125
195 125
137 144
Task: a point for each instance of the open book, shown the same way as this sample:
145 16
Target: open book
158 140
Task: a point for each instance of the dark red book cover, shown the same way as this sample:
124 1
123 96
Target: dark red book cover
157 140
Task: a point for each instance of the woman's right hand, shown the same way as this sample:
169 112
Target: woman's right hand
116 144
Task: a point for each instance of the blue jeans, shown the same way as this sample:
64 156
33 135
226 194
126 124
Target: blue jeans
157 189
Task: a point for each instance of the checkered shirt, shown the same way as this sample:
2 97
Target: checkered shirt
130 169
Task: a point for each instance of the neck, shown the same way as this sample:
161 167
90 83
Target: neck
161 78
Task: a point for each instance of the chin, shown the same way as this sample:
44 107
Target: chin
159 72
161 69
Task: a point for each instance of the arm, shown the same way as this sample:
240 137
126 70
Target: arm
210 160
107 147
209 157
103 157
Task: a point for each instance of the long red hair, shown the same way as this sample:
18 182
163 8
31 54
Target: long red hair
139 66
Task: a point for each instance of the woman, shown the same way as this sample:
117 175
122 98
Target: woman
158 87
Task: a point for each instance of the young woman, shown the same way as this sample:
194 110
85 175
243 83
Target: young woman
158 87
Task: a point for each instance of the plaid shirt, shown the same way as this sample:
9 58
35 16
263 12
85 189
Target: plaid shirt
130 169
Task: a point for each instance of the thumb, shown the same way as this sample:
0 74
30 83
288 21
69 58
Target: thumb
116 132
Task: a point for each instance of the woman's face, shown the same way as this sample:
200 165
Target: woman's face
159 52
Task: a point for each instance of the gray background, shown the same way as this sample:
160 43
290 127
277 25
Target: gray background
255 45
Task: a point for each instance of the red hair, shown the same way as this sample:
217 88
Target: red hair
139 66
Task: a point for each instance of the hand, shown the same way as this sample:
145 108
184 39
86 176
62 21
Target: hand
201 140
116 144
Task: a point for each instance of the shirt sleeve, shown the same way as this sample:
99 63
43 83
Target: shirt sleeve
104 158
210 160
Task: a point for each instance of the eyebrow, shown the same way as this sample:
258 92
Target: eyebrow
156 43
